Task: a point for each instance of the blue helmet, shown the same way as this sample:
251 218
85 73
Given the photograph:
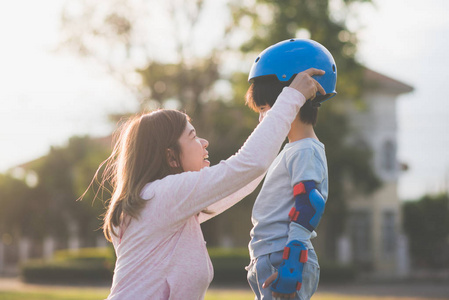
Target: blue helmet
290 57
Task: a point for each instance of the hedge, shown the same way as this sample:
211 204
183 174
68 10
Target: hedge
229 267
88 265
96 265
229 264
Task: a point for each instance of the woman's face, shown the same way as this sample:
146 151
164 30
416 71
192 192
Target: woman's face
193 150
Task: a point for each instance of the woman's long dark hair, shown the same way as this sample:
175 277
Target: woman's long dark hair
139 157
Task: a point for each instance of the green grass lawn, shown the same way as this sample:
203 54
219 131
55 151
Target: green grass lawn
53 295
96 294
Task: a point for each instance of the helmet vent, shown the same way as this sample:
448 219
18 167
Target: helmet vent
333 68
292 40
257 59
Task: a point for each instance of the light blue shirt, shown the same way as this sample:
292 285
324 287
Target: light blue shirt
299 161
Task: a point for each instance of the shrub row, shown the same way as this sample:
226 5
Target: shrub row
229 267
88 265
94 265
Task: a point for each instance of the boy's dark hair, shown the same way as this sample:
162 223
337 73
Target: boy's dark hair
265 90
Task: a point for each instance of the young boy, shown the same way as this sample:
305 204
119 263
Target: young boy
291 201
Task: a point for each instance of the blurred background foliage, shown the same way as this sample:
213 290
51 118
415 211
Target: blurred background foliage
209 84
426 223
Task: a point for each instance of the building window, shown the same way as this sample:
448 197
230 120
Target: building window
389 156
389 233
360 228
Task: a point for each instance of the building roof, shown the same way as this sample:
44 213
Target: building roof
377 81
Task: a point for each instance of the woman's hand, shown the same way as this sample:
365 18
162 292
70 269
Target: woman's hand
306 85
273 278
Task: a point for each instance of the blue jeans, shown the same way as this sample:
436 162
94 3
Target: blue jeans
262 267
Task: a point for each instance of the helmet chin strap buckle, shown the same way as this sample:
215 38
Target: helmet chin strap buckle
316 102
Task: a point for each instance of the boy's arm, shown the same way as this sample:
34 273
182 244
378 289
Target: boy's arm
306 172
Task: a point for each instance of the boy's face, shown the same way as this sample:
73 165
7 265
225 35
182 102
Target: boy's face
263 111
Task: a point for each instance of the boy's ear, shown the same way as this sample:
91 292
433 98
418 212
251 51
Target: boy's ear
171 158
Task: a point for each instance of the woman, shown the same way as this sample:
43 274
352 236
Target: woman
162 184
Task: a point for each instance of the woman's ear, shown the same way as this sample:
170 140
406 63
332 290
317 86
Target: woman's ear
172 159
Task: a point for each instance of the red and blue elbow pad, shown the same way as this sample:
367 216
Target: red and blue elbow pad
289 279
309 205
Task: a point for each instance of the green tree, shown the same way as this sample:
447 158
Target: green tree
181 77
273 21
426 223
17 207
63 175
122 39
149 47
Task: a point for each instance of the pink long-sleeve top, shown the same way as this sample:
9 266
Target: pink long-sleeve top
162 255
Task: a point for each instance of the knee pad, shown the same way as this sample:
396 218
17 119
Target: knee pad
309 205
290 271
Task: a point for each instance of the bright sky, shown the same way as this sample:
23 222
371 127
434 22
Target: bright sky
47 97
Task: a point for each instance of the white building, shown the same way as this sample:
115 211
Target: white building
373 238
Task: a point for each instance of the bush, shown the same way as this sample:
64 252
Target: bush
96 265
106 255
336 273
229 267
89 265
229 264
